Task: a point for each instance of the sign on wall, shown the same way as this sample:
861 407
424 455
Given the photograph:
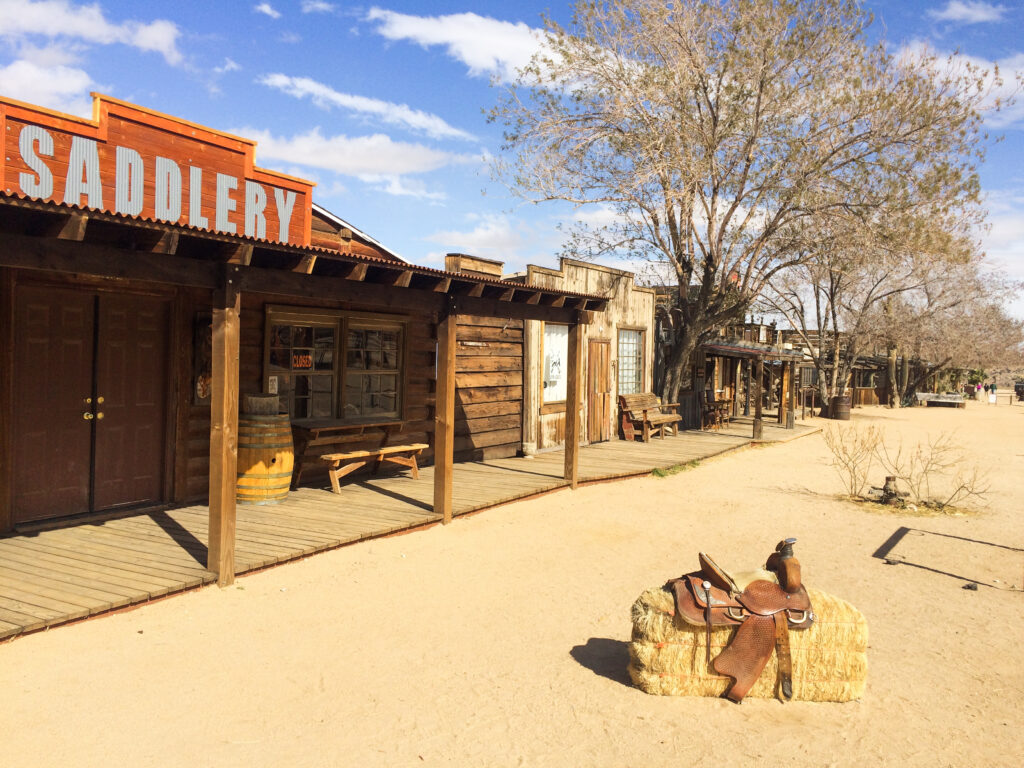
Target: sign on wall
134 161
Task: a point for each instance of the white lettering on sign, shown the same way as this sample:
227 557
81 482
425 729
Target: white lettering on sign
128 180
167 190
195 198
30 185
225 204
83 178
83 173
285 201
255 205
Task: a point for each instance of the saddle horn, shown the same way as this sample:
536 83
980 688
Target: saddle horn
785 565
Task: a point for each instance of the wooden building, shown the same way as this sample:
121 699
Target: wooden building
151 275
618 354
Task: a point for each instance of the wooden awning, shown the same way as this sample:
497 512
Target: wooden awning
37 235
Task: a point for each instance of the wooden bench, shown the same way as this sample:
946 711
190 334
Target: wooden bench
341 464
313 437
643 412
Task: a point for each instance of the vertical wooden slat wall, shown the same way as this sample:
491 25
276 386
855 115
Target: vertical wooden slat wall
573 401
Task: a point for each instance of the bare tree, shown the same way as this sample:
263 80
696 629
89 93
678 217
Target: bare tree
713 129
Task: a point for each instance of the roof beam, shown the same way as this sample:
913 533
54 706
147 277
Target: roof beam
73 227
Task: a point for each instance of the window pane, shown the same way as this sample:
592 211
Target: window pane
279 359
556 352
630 362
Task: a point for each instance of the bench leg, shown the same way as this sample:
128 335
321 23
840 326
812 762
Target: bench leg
335 486
406 461
647 432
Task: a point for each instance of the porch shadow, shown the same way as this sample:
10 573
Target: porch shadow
181 536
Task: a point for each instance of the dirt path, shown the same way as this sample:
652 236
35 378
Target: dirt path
501 639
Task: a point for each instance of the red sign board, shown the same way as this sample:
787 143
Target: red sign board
138 162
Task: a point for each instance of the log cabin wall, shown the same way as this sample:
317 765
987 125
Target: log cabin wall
418 374
628 317
488 388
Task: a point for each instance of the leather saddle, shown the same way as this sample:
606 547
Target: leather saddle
763 604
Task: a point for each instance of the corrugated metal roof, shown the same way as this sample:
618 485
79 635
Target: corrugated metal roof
21 200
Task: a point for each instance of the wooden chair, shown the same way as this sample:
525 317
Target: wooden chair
711 413
644 412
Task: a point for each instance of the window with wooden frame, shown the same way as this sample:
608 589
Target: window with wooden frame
331 365
630 361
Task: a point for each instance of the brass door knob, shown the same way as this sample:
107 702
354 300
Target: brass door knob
88 416
100 400
99 415
87 401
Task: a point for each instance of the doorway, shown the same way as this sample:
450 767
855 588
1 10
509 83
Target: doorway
599 391
90 401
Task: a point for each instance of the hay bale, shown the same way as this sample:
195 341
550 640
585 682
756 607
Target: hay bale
829 659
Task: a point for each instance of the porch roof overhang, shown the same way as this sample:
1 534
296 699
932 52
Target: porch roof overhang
57 237
752 350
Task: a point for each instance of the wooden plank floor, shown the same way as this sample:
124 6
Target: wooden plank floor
48 577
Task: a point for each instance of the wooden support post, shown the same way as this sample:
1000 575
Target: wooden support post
791 397
783 392
572 404
758 385
7 399
224 428
444 415
747 365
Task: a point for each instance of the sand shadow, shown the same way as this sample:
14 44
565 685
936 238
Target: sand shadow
605 657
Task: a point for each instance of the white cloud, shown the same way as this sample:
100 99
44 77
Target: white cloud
229 65
376 159
65 89
969 12
493 236
291 37
394 114
487 46
61 19
317 6
267 10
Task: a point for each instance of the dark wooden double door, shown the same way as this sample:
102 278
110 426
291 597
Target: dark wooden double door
90 401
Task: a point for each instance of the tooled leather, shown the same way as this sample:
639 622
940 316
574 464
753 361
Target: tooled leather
746 655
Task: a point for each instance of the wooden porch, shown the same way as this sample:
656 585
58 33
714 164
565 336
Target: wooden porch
51 576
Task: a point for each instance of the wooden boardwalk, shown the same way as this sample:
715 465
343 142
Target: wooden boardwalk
48 577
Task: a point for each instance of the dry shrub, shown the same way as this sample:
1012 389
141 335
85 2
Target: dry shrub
934 473
853 454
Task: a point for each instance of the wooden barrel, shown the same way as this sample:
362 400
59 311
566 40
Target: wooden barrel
265 459
840 407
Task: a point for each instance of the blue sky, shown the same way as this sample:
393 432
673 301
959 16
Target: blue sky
383 105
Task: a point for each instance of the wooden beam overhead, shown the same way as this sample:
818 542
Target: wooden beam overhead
241 254
402 279
443 284
507 294
558 302
306 264
534 298
357 272
167 243
477 289
73 227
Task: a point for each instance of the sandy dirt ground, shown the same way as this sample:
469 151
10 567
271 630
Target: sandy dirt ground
501 640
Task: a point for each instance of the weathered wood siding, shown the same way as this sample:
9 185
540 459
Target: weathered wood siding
630 307
488 388
418 392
